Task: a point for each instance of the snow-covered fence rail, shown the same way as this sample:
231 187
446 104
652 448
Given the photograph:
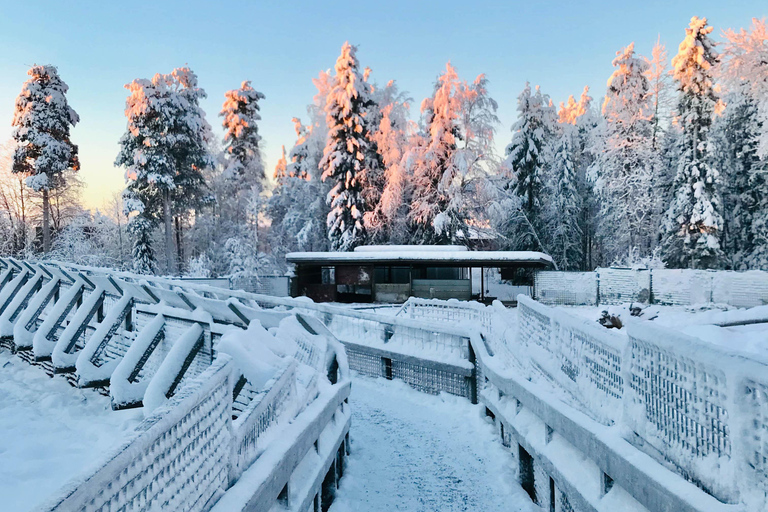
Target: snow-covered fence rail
703 407
261 414
177 461
452 310
579 356
695 407
660 286
150 342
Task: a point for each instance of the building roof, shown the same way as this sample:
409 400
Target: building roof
455 258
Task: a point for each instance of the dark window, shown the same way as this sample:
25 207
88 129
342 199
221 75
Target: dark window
328 275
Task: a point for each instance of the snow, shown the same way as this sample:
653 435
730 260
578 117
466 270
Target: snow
415 452
87 371
700 321
50 432
22 337
42 346
410 248
6 324
158 388
253 352
124 391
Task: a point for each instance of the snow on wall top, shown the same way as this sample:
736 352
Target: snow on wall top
489 258
410 248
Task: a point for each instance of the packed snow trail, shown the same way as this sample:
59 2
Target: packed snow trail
421 453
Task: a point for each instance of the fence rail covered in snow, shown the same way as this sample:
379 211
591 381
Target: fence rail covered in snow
683 403
659 286
210 421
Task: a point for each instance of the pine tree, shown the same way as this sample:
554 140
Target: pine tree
44 151
525 163
164 151
626 163
694 223
346 153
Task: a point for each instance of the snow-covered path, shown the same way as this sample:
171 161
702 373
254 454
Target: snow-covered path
415 452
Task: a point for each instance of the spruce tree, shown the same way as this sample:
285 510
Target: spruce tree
743 143
694 221
563 206
44 152
734 135
346 153
241 135
525 163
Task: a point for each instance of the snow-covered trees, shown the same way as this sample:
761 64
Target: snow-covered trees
455 142
239 186
241 135
387 221
518 220
626 163
658 82
350 155
297 209
740 136
563 208
164 152
694 220
44 152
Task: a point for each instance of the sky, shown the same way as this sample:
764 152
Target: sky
280 46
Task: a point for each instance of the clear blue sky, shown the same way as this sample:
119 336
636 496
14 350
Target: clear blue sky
280 46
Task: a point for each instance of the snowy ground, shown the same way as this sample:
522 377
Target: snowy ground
51 432
420 453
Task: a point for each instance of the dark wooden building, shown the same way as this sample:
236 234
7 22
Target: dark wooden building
394 273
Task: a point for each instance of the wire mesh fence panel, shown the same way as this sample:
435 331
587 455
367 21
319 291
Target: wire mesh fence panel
617 285
364 362
576 288
740 289
584 359
679 405
681 286
755 406
431 380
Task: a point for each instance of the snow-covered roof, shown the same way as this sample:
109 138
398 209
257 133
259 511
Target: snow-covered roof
410 248
458 257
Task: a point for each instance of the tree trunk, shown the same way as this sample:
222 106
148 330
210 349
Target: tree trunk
168 218
179 245
46 223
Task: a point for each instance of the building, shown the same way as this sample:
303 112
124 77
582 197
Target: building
393 273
